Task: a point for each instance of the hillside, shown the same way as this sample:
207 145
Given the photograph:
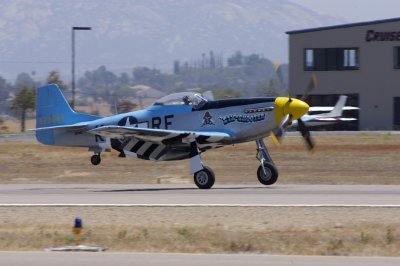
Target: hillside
35 36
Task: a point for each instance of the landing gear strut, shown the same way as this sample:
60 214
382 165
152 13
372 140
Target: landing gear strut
203 176
95 159
267 173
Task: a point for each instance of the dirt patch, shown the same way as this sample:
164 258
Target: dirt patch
365 159
301 231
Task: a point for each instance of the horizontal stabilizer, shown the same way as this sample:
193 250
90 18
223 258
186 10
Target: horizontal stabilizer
74 127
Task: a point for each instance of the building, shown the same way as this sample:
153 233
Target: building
361 60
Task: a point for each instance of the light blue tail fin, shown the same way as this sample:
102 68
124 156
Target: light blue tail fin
53 110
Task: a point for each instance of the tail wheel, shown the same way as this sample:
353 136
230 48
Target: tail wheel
205 178
95 159
270 176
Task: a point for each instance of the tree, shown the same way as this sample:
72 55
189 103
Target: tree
254 59
125 106
24 79
100 83
145 75
226 93
124 79
5 90
212 60
54 78
23 102
267 88
236 59
177 67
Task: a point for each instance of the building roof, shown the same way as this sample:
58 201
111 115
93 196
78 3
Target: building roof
344 26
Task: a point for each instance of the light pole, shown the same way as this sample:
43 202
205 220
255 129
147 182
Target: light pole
73 62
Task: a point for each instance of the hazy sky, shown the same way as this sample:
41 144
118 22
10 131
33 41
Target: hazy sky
355 10
16 21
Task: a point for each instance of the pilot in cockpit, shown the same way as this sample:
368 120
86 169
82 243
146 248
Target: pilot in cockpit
186 100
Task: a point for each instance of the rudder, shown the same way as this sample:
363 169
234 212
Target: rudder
338 109
52 109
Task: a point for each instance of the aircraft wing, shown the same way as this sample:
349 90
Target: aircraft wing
315 120
330 108
158 135
347 119
327 119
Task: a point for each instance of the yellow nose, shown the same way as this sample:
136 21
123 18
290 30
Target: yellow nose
289 106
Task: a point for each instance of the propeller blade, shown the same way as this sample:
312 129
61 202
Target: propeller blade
275 140
277 67
277 134
306 135
311 86
279 73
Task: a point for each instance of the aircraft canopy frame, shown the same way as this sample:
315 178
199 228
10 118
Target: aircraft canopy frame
183 98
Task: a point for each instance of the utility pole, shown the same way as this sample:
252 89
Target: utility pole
73 61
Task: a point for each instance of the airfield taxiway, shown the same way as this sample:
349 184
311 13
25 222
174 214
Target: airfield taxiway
147 259
189 195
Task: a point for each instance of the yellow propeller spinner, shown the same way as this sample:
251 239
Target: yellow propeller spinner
284 106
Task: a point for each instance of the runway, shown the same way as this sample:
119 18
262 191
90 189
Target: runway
189 195
147 259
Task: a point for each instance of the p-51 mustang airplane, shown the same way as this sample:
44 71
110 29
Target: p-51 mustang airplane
178 126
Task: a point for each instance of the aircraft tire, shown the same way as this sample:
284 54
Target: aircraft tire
95 159
205 178
272 174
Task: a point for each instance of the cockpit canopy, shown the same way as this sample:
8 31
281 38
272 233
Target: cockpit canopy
183 98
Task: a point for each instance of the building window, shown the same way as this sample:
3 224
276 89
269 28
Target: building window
329 59
396 54
350 58
309 59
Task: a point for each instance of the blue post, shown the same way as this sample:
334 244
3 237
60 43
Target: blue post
77 230
78 223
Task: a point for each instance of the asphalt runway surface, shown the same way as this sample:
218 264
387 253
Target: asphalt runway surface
147 259
190 195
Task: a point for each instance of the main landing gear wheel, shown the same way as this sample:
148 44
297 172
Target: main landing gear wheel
270 175
95 159
205 178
